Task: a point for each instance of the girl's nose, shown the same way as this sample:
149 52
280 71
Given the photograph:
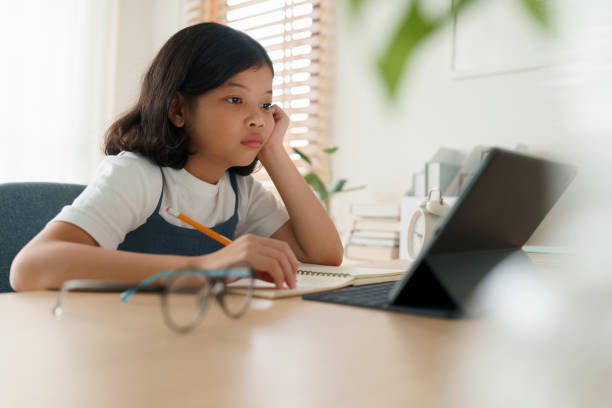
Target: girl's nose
256 119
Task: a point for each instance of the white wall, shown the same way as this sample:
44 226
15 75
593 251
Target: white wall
72 66
143 27
381 144
55 60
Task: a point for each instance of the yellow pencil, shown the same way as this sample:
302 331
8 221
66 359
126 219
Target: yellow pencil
204 230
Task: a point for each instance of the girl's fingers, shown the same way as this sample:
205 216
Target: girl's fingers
290 272
284 247
273 256
279 114
281 259
290 258
264 276
273 268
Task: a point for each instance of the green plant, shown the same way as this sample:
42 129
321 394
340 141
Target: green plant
322 192
415 27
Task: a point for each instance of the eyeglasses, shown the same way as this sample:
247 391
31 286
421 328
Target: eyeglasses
184 294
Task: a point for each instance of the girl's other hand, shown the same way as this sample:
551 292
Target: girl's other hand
281 123
272 260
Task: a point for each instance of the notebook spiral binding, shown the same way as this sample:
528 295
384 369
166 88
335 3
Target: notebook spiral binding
317 273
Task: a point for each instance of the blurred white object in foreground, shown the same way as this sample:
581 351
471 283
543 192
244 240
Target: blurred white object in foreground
545 342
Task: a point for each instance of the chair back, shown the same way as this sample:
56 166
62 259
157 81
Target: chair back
25 210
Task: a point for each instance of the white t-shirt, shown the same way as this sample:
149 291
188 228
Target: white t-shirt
126 190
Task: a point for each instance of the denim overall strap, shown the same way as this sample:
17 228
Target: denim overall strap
157 236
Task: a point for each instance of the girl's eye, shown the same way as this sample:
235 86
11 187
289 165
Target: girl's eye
267 106
233 99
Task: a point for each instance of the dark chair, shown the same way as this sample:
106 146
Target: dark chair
25 210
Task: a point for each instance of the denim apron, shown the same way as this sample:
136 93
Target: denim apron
157 236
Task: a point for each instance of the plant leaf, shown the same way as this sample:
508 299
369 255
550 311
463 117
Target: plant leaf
538 10
330 150
303 155
412 31
318 187
346 190
355 6
337 186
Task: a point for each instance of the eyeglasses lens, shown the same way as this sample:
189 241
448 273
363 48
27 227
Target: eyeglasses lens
185 300
239 282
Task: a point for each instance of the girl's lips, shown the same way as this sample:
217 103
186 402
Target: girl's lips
252 144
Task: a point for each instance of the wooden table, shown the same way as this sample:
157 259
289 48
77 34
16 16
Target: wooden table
284 353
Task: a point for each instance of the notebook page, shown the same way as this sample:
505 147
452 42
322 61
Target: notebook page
312 278
305 283
358 272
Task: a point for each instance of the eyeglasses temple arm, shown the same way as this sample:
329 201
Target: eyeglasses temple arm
126 295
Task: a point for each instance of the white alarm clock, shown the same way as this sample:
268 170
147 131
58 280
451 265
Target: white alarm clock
422 222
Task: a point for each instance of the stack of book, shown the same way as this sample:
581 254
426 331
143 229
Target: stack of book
375 232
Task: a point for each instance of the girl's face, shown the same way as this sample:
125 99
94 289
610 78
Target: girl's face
228 125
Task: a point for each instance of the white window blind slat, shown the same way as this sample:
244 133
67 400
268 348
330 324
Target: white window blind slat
230 5
296 22
272 30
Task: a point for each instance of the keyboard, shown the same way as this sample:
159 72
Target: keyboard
376 297
372 296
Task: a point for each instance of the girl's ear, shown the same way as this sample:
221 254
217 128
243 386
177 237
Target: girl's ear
177 110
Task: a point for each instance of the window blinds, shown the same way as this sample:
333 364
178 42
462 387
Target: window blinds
297 36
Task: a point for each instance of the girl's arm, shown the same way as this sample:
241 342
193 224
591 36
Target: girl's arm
310 232
63 251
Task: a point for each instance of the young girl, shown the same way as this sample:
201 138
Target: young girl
203 121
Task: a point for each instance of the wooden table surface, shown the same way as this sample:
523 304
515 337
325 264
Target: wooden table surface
283 353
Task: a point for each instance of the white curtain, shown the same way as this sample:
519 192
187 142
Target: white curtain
56 82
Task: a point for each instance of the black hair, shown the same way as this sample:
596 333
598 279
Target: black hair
193 61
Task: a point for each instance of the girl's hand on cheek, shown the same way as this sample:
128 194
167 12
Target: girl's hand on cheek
281 123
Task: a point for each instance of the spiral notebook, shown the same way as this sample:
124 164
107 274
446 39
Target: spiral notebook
312 278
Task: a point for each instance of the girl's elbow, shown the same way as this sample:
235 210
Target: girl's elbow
22 276
339 257
16 276
339 253
335 258
328 258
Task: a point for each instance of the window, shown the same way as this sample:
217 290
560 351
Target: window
297 36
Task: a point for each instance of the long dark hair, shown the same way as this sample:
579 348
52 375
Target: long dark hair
193 61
